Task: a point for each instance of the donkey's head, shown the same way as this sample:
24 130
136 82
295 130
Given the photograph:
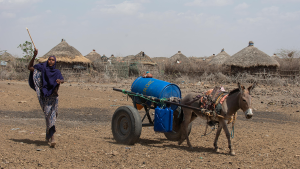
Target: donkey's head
245 100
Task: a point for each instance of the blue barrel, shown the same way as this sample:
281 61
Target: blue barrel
156 88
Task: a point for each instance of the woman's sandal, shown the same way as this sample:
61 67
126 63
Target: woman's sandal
52 143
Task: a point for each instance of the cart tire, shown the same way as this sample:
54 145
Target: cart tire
126 125
175 135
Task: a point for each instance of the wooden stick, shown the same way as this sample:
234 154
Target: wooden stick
31 38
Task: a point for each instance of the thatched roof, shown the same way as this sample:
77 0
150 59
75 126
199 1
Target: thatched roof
6 57
93 56
276 57
220 58
250 56
65 53
179 58
141 58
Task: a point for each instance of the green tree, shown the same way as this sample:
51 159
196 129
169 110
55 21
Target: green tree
27 49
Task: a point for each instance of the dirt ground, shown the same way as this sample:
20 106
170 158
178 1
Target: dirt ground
269 140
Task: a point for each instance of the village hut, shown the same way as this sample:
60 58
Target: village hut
219 59
179 58
140 63
96 59
278 59
93 56
141 58
67 57
251 60
5 58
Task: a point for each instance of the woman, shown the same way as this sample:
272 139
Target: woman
45 80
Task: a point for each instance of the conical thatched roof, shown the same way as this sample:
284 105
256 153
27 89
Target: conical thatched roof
140 57
179 58
220 58
250 56
6 57
93 56
65 53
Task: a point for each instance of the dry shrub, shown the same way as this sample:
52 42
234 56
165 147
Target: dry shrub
289 63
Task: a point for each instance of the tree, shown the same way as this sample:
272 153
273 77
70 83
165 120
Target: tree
288 53
289 59
27 50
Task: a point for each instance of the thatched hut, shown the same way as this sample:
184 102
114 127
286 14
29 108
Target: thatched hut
219 59
251 60
179 58
6 58
67 57
140 63
93 56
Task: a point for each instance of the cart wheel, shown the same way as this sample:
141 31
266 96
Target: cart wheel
176 134
126 125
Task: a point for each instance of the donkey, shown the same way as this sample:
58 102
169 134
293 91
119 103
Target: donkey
239 98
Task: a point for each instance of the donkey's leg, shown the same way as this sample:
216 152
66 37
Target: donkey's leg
228 137
217 137
184 127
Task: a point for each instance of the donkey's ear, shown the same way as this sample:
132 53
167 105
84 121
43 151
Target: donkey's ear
242 88
251 87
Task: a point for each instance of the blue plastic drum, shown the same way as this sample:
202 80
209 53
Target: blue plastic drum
156 88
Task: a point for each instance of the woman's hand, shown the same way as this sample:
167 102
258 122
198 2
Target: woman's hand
30 65
58 81
35 52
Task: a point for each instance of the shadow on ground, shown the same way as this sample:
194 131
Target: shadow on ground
28 141
269 117
82 114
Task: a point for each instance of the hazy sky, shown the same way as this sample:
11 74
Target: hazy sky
160 28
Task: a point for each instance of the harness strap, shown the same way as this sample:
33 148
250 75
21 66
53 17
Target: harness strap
233 121
195 99
206 126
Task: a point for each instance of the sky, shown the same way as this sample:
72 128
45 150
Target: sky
160 28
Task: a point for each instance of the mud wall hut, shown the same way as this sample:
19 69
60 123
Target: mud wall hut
251 60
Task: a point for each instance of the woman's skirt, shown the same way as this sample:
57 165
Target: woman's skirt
48 104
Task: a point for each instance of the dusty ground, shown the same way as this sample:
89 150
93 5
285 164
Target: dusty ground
269 140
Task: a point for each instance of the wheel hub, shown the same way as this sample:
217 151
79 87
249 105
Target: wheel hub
124 125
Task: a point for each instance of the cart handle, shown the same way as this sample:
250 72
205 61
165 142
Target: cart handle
164 100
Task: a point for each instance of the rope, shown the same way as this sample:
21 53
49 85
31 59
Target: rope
232 131
150 98
212 129
162 102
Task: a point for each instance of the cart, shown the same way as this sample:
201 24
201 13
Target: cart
127 123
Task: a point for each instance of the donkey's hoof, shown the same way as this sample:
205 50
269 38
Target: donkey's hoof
179 142
232 153
217 150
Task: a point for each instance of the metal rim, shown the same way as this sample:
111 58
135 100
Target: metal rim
123 125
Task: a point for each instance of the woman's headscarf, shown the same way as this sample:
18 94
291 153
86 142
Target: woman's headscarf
48 77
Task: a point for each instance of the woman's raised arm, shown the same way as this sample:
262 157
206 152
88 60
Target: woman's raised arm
30 65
